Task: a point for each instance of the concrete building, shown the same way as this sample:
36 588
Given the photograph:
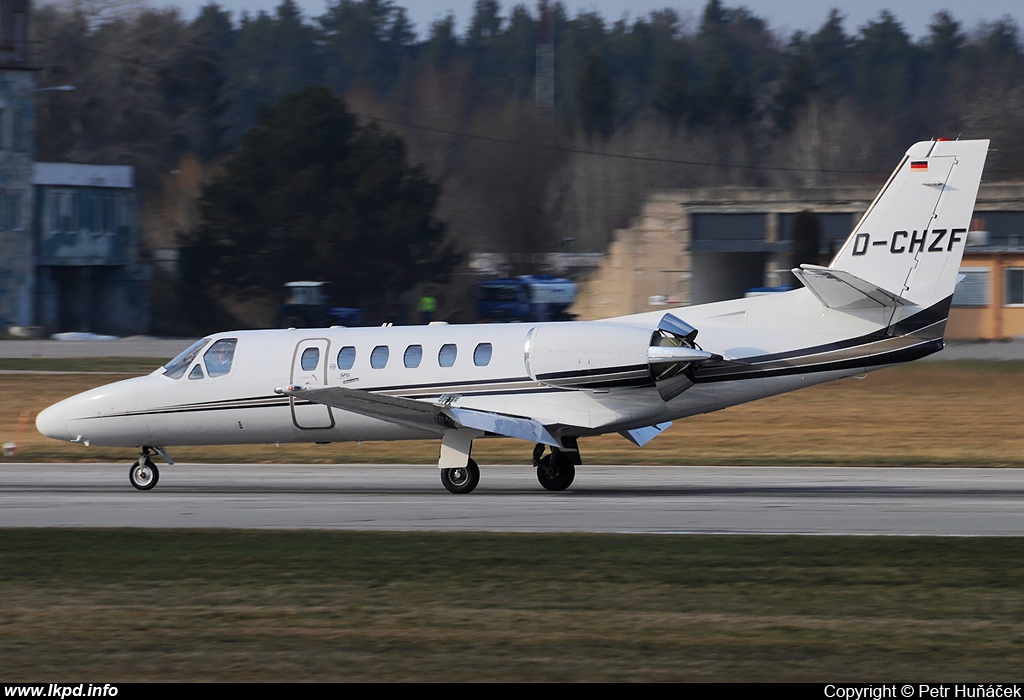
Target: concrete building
86 226
703 245
17 144
69 233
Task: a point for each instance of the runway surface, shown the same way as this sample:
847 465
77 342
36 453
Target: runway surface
764 500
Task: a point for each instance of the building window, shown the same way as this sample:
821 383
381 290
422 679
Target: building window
13 202
973 288
20 136
1015 286
62 211
56 207
109 214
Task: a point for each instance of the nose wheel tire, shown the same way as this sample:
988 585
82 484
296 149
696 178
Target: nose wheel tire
555 472
461 479
144 474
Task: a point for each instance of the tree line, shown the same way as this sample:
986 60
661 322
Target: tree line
640 103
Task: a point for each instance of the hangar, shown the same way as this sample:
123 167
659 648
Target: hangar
708 244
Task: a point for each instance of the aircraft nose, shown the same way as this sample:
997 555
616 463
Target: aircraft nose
53 422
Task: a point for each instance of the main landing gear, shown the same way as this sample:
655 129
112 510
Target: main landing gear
556 470
143 474
461 479
460 473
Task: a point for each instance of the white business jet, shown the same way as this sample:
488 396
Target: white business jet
883 300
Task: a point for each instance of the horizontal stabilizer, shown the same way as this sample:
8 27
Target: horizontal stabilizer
642 436
844 291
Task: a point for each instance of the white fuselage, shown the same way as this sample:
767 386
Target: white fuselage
242 406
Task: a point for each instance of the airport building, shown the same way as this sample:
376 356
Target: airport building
710 244
17 141
69 233
89 276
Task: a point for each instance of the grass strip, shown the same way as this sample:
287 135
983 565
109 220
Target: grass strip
123 605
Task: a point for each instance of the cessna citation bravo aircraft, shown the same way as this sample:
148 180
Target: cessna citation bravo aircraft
883 300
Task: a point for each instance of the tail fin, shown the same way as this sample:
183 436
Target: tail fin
910 241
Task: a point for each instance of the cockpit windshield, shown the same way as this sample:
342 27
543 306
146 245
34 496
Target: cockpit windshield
175 369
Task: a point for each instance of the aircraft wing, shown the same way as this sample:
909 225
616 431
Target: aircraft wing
394 409
422 415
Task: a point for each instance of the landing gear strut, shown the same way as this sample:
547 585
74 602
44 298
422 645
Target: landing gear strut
461 479
555 471
144 473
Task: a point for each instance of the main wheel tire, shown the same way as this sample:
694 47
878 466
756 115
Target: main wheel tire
144 474
555 474
461 479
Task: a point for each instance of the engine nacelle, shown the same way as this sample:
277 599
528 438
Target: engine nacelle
607 355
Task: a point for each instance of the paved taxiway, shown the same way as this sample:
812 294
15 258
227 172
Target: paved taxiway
769 500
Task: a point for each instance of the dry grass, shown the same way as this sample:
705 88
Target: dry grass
962 414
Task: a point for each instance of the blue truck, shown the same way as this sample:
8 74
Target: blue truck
525 298
308 305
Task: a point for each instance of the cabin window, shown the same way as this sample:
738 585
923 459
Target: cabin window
446 356
310 359
413 355
379 357
196 373
346 357
175 369
1015 286
220 356
482 355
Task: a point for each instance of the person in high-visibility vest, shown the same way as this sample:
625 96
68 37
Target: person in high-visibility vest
428 305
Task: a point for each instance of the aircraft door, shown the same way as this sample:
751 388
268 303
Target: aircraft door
309 368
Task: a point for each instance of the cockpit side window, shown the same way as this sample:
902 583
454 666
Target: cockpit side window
196 373
175 369
220 356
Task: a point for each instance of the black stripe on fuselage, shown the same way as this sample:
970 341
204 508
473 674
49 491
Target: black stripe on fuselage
914 337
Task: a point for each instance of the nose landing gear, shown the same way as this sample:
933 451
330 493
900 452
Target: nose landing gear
144 475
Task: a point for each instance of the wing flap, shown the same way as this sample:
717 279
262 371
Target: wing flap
509 426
